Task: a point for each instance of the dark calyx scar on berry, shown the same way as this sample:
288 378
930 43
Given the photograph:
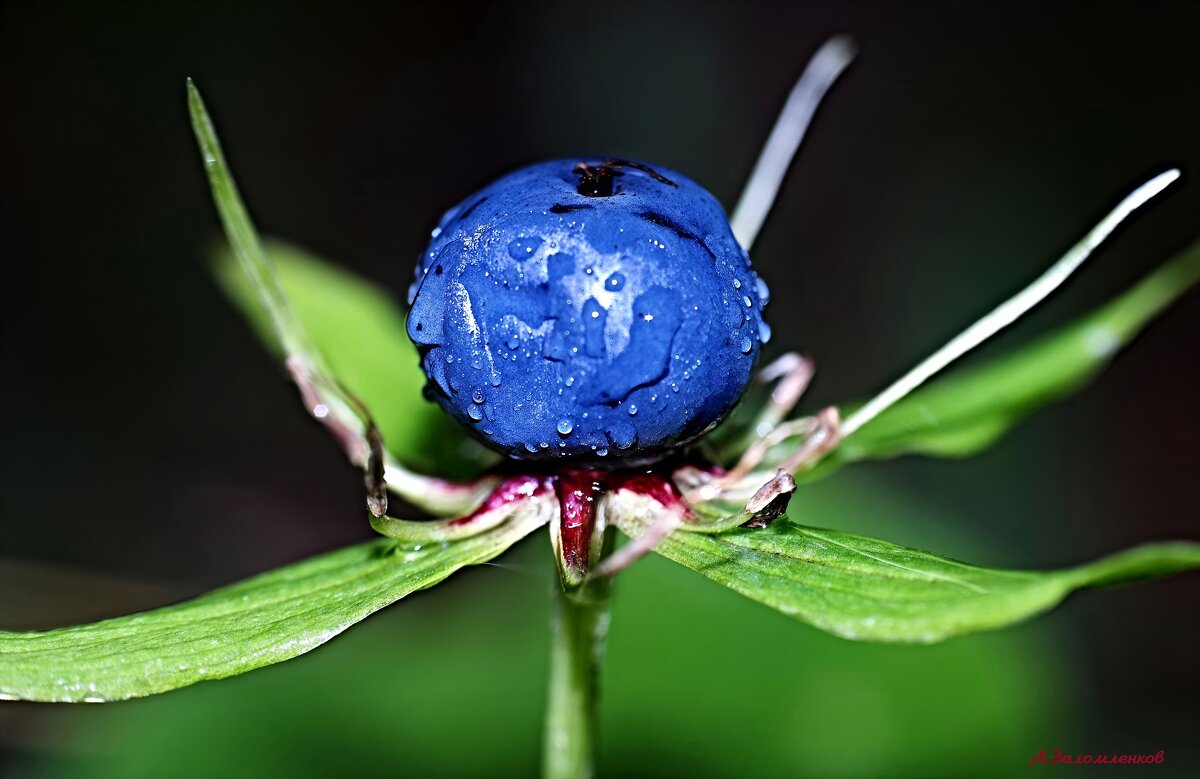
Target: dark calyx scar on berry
597 315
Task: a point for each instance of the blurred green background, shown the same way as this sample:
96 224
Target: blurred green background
151 450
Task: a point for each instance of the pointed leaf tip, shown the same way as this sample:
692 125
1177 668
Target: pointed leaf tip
268 619
870 590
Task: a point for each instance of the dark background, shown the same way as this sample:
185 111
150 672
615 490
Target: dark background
150 450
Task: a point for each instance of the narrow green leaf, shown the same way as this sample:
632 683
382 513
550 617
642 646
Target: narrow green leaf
360 331
966 412
243 236
324 397
869 590
322 391
263 620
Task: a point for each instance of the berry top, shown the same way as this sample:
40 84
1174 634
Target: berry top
597 311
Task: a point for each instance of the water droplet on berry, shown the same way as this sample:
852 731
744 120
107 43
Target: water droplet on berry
764 294
523 248
594 318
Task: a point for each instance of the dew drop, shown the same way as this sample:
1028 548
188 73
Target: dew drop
531 447
565 427
632 410
747 345
746 299
737 283
477 395
475 413
764 332
602 451
595 317
764 294
523 248
615 282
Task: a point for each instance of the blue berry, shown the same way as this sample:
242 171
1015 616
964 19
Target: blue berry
587 311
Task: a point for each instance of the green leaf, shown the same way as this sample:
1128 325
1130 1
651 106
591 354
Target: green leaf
264 620
324 393
359 330
869 590
966 412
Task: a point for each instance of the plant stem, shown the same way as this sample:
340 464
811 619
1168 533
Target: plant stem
576 652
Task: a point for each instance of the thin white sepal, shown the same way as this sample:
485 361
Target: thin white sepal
1012 309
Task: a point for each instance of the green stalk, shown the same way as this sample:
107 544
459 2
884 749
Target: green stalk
576 653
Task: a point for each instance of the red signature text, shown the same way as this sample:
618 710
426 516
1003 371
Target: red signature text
1059 757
